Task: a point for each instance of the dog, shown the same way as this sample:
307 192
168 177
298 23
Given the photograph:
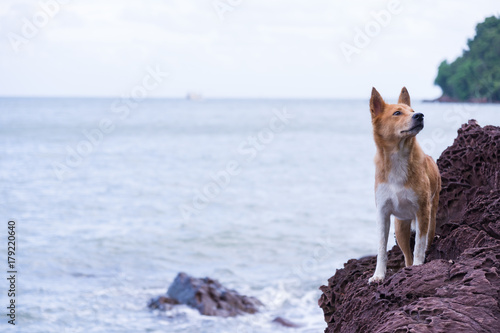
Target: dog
407 181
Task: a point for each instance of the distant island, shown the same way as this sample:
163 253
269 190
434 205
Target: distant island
475 76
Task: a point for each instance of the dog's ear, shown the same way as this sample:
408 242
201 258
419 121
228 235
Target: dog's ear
404 97
377 103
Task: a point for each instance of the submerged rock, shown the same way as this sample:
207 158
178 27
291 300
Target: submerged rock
162 303
208 296
285 322
458 289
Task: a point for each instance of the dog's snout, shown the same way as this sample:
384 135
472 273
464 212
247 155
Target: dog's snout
418 116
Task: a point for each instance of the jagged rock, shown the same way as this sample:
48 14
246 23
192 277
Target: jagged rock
208 296
458 289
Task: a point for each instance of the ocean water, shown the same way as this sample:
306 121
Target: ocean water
112 199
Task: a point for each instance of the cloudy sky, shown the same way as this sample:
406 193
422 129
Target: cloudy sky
232 48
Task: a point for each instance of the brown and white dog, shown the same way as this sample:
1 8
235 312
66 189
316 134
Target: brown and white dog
407 181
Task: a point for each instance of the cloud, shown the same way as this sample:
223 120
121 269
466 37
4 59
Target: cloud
262 48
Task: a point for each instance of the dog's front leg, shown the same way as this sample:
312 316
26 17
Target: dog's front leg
383 226
423 219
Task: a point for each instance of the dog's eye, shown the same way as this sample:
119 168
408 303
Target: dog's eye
397 113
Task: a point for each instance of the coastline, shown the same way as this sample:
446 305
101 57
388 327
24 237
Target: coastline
448 99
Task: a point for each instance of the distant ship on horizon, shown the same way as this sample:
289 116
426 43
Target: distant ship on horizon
194 96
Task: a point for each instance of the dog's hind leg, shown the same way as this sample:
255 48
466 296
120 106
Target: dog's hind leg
403 232
432 221
435 182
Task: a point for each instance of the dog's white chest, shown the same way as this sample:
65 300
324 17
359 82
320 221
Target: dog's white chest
393 197
397 200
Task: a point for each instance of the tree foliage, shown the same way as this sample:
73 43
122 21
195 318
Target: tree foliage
476 74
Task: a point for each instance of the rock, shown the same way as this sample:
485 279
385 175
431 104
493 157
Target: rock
162 303
447 99
458 289
208 296
469 170
285 322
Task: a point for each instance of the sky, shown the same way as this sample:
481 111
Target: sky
231 48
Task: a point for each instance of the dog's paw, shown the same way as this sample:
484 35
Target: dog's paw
376 278
418 261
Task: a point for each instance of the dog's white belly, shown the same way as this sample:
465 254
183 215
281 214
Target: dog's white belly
397 200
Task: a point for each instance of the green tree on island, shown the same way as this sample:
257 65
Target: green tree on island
475 76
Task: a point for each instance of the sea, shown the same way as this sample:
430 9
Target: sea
110 199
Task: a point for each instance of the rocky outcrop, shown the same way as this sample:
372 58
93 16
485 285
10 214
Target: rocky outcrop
208 296
470 173
448 99
442 99
458 288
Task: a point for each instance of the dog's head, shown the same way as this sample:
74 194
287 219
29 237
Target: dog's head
394 122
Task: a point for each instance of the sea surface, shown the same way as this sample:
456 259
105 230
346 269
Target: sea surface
113 198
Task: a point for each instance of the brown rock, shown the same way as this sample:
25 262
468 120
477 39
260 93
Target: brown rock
285 322
447 99
207 296
162 303
458 289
